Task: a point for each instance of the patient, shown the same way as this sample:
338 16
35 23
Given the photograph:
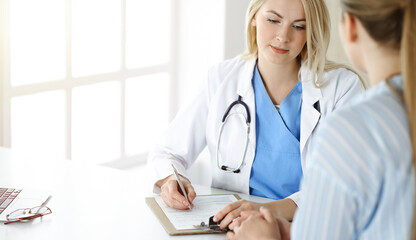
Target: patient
360 183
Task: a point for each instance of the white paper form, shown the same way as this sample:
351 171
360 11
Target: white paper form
204 208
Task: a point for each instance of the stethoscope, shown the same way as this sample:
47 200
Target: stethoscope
224 120
248 120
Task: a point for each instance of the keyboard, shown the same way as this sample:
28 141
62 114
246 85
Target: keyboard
7 195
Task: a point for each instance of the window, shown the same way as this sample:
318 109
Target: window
86 79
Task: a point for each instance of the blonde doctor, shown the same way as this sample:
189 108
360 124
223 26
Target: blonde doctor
256 113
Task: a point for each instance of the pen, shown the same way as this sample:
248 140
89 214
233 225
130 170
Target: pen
181 185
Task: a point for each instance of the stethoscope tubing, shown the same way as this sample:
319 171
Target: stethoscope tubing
224 119
238 101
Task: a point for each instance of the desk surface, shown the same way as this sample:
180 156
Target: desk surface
89 202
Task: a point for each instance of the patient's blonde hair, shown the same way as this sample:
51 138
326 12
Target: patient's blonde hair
392 23
317 38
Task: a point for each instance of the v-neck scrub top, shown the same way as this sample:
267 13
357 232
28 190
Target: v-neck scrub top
276 171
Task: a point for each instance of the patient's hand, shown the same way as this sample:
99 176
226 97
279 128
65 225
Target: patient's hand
259 225
284 208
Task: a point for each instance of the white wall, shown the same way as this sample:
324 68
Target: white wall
200 44
335 50
235 27
209 32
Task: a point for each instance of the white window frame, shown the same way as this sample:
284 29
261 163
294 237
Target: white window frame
7 92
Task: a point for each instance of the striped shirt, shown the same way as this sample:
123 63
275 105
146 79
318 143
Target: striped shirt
360 181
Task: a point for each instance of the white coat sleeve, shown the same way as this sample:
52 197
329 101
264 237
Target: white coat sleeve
295 197
183 141
349 87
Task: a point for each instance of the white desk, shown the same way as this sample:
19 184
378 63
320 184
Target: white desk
89 202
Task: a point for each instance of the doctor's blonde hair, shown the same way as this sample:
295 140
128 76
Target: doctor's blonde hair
317 38
391 23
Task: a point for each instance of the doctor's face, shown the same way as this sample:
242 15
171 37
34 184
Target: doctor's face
281 30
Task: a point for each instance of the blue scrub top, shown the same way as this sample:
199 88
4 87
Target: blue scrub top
276 171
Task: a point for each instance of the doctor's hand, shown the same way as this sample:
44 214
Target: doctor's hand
233 211
283 208
259 225
171 193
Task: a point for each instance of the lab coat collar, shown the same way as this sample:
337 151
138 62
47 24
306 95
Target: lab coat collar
310 115
311 94
245 87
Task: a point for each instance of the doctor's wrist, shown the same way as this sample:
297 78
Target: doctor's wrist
161 182
283 208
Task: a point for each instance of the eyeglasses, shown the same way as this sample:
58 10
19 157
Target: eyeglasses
27 214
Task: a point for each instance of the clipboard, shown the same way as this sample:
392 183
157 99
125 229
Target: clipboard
168 226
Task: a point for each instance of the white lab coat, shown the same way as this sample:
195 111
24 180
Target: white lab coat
196 126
